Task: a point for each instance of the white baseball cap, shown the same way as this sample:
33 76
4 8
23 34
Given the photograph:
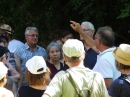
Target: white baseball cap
35 65
73 48
3 70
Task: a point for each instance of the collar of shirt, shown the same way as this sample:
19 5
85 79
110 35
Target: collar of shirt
107 50
27 47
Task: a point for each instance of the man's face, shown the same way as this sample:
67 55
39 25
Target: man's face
2 32
32 37
70 36
87 30
96 38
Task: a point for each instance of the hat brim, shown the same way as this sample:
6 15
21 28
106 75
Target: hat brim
120 60
6 31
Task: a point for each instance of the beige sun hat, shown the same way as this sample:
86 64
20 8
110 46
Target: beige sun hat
6 28
122 54
73 48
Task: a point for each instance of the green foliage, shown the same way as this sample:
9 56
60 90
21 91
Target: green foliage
125 12
52 16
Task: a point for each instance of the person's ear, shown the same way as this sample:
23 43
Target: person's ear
25 37
84 54
62 40
65 59
93 31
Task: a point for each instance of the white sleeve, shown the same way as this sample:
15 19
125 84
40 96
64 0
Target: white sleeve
105 69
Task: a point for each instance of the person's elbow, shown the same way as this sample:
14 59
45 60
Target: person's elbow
108 82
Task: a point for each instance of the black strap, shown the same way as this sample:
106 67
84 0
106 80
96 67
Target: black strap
127 78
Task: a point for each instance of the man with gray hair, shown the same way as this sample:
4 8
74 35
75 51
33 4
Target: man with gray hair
91 55
30 48
87 83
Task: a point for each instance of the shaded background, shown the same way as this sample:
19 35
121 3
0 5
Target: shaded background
53 16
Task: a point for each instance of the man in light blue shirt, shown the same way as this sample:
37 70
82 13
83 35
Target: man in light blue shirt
30 48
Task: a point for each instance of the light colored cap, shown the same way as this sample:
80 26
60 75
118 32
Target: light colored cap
73 48
122 54
36 65
3 70
6 27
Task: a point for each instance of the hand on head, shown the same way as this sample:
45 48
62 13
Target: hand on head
76 26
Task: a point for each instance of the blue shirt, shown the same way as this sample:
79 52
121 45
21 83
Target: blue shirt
90 58
24 53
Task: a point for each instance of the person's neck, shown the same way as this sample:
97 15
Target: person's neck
1 85
86 46
39 87
31 46
9 39
56 63
76 64
125 71
103 48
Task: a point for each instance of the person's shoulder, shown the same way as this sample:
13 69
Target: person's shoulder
17 41
118 82
96 75
40 48
60 74
21 48
23 90
7 93
24 87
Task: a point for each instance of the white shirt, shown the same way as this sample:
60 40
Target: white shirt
14 44
5 93
106 64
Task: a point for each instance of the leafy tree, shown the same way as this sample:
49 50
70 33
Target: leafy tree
52 16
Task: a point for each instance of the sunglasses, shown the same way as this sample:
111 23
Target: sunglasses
2 34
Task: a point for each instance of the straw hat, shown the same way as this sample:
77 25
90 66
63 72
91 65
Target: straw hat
6 28
122 54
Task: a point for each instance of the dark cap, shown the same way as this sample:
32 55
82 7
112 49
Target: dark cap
3 50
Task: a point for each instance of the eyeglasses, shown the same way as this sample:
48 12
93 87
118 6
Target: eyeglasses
33 35
2 34
87 29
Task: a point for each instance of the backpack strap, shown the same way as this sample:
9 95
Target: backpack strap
73 83
78 92
127 78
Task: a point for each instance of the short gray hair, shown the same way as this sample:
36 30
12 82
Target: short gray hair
54 44
91 26
30 28
106 36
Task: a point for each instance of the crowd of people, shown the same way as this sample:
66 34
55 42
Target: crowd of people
90 67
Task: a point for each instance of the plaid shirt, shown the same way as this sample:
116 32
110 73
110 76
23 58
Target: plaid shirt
24 53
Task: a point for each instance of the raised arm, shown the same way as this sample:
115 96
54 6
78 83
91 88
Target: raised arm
76 26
